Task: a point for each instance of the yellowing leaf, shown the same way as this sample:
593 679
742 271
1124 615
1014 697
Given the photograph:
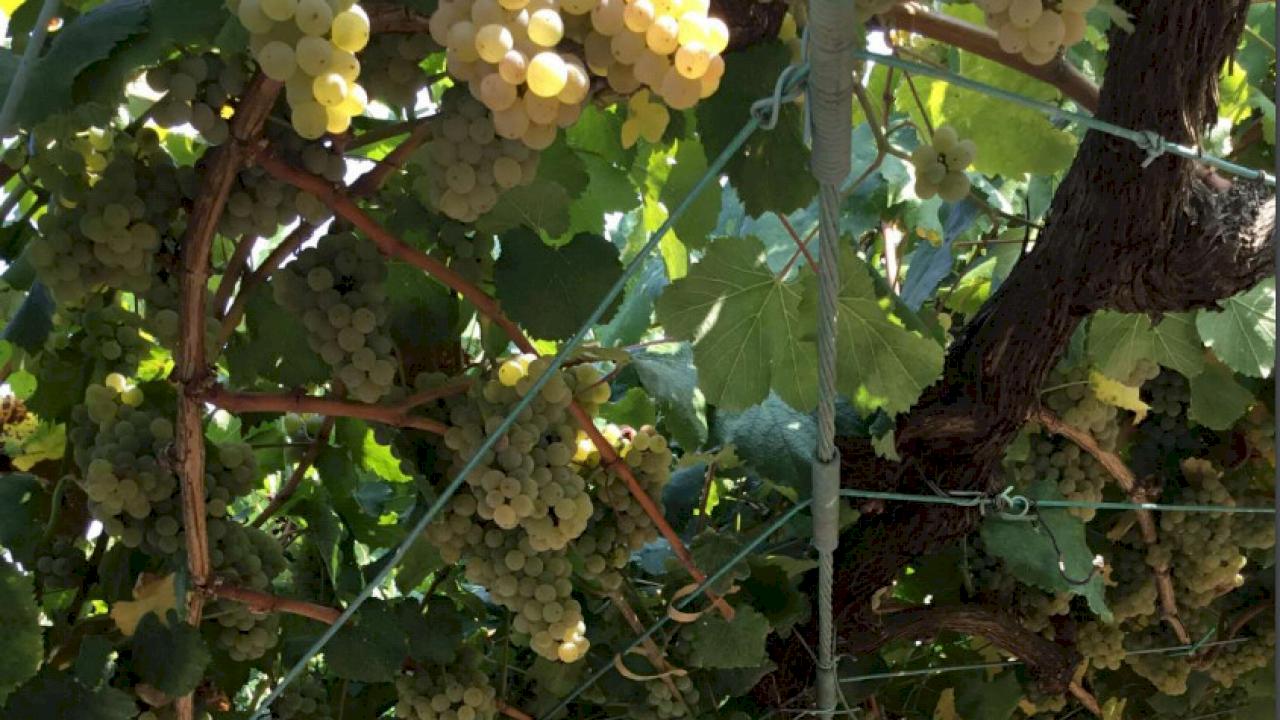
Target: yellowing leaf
152 594
1116 393
47 443
1113 709
946 707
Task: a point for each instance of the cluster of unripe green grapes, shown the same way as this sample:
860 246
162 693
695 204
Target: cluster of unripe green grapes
1101 644
466 165
1167 672
1078 475
107 232
305 699
1230 662
1132 593
1037 29
456 694
648 456
337 289
940 166
604 551
259 204
310 46
664 704
1205 557
198 89
470 252
112 333
246 557
393 72
161 319
61 563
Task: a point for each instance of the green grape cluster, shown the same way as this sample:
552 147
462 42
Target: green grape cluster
310 46
109 233
305 699
940 165
67 156
470 252
465 165
665 704
1231 662
1101 644
337 289
393 65
259 204
61 563
1036 609
1078 475
1165 438
113 334
246 557
160 310
603 549
1133 593
1037 29
1167 672
456 694
1205 557
197 89
647 455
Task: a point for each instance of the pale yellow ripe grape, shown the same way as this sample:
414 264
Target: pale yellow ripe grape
650 67
539 109
547 74
356 102
493 42
350 29
626 47
1036 57
277 61
607 17
716 67
653 122
441 20
496 93
329 89
298 89
630 132
717 35
708 85
1045 36
309 119
487 12
692 60
568 114
1024 13
576 84
460 178
665 7
314 55
506 172
538 136
934 172
336 121
545 27
513 5
345 64
692 28
511 123
622 79
253 19
1012 38
697 6
1074 26
954 187
599 52
462 39
278 10
464 70
1078 6
924 155
962 156
680 92
661 35
925 188
577 7
313 17
638 15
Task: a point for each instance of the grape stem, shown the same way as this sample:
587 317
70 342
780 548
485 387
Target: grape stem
1129 484
651 649
191 369
397 415
237 265
485 304
371 181
299 472
269 265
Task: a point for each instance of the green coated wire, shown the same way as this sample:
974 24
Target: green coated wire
788 81
1151 142
978 500
680 605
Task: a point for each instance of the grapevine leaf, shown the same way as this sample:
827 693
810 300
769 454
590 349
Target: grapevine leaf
23 384
552 291
85 40
597 131
695 225
744 327
1178 345
369 648
668 373
714 642
186 21
58 695
559 164
1117 342
1243 333
48 442
91 662
880 365
611 192
634 314
634 408
772 591
946 707
170 656
23 647
156 595
379 460
31 324
993 699
1217 400
274 347
928 264
444 624
422 559
1117 394
542 206
1028 552
773 439
21 509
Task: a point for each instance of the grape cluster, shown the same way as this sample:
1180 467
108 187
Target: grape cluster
259 204
1167 672
470 252
1230 662
603 550
246 557
337 290
196 90
108 233
1133 592
647 454
310 46
393 67
1259 427
61 563
1165 438
113 334
449 695
1037 29
665 704
161 317
940 166
1101 644
466 164
1078 475
305 699
1205 557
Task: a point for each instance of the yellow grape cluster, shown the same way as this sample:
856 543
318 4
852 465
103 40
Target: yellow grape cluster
1037 29
940 166
466 166
310 46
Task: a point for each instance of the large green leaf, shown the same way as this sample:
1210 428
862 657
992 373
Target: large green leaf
667 372
59 696
1217 400
774 439
690 165
880 364
21 647
274 346
370 648
718 643
541 205
744 326
169 656
552 291
1243 333
1117 342
1029 552
22 507
186 21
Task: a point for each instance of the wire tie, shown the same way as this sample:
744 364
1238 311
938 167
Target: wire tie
766 109
625 672
683 617
1153 143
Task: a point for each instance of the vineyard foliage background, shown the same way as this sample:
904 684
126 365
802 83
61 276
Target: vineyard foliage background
274 269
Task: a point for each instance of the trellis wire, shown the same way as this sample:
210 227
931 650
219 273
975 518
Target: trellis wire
1153 143
764 113
980 501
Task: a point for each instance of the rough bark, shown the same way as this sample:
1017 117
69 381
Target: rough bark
1117 235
